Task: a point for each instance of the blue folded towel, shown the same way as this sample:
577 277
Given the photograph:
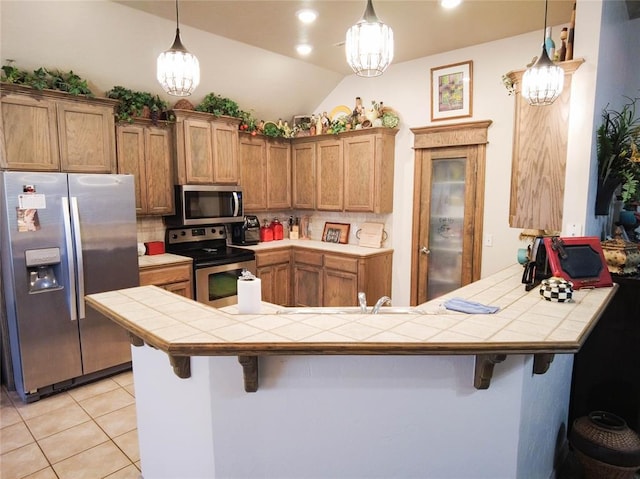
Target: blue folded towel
471 307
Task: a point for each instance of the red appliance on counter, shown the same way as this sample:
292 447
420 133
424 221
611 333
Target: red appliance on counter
578 259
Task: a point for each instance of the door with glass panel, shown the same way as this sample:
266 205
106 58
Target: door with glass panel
448 207
446 221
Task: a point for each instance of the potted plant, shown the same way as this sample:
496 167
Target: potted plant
618 151
137 104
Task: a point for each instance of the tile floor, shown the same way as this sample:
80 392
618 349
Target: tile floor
86 432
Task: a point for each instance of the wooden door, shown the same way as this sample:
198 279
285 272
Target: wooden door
225 152
340 288
278 175
307 284
253 172
303 164
158 171
448 208
86 138
446 226
131 153
359 173
330 179
29 132
198 152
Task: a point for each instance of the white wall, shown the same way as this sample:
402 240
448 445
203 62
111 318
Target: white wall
405 87
111 44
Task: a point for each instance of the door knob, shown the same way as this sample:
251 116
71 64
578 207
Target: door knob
424 250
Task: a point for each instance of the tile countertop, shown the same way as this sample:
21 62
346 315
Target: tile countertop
525 323
351 249
165 259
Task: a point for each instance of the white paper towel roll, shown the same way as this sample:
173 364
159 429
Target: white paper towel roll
249 296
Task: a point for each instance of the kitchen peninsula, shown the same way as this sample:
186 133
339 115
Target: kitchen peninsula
352 395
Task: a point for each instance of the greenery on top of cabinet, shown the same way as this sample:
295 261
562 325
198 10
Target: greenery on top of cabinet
134 103
42 78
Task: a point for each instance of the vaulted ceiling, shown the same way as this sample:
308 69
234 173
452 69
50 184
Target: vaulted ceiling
421 27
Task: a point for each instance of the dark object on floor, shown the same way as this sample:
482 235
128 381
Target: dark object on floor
605 446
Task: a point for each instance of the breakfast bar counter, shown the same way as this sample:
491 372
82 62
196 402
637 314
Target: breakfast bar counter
350 394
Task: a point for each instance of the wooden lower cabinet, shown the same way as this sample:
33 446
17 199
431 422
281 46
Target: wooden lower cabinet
330 279
177 278
274 270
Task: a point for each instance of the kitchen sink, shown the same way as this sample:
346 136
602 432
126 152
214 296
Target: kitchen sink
351 310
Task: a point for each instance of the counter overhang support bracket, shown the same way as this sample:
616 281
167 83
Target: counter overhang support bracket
249 372
541 362
484 369
181 366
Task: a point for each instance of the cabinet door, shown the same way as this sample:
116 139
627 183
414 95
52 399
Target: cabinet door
303 163
307 284
158 171
275 283
330 179
30 134
278 175
253 172
225 153
359 173
130 147
447 223
340 288
198 153
183 289
86 138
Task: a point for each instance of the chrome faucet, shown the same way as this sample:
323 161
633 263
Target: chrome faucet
362 301
383 300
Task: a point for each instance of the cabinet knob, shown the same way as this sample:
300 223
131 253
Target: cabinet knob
425 250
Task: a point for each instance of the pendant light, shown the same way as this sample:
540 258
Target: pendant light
543 82
369 45
178 71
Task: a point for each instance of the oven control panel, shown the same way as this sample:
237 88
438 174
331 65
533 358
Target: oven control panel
198 233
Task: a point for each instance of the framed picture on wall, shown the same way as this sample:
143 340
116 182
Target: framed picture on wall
336 233
452 91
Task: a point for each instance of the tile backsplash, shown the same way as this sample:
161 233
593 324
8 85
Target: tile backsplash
151 228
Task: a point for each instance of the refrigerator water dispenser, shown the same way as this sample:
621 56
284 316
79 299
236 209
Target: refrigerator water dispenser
41 268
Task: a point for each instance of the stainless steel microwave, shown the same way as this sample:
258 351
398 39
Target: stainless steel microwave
207 204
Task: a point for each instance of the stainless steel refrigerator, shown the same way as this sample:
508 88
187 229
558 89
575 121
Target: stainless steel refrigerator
64 236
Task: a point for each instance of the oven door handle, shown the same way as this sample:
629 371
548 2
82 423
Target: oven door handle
236 204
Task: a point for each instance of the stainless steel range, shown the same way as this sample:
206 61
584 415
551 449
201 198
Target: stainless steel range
216 266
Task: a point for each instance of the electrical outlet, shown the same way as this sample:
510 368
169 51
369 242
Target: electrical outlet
488 240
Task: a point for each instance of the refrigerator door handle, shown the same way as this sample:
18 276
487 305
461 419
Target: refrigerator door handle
71 290
77 237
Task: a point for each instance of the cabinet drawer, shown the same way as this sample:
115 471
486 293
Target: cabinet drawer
165 275
273 257
308 257
341 263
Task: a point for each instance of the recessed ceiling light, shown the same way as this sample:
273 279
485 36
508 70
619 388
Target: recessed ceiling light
304 49
307 15
450 3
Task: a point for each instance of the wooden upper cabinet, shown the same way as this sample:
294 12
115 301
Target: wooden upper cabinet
330 175
144 150
206 148
225 150
253 174
55 131
86 138
368 171
278 174
540 157
265 173
353 171
303 164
